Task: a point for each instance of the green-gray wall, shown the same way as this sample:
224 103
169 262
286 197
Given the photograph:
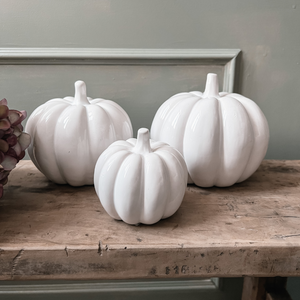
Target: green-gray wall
266 31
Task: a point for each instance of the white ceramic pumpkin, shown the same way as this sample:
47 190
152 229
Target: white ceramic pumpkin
140 181
223 136
69 134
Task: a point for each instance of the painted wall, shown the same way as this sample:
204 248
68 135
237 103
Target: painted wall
267 32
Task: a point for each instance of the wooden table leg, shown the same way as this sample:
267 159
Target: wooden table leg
265 288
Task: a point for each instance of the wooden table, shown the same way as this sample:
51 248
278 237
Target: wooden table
251 229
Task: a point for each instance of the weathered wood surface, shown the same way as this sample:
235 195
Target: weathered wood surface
254 288
49 231
265 288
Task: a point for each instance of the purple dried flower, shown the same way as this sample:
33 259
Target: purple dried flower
13 141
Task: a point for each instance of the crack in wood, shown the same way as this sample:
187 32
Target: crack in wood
100 248
286 236
174 227
15 262
275 216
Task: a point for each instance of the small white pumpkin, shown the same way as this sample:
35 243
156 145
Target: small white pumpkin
223 137
140 181
68 135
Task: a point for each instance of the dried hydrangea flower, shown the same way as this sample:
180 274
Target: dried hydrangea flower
13 141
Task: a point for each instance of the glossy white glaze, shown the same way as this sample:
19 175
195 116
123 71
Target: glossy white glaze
69 134
223 137
140 181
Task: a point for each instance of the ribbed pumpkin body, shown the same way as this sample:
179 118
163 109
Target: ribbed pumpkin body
68 136
223 137
138 181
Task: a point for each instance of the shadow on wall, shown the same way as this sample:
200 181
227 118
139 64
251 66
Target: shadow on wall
293 285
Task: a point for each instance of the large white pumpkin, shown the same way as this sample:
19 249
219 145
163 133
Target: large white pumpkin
68 135
140 181
223 136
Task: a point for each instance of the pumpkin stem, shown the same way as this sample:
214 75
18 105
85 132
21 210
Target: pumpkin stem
212 86
80 93
143 141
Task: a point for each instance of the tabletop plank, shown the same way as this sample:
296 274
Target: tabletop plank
50 231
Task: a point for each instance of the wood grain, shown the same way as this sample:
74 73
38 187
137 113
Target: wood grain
49 231
265 288
254 288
